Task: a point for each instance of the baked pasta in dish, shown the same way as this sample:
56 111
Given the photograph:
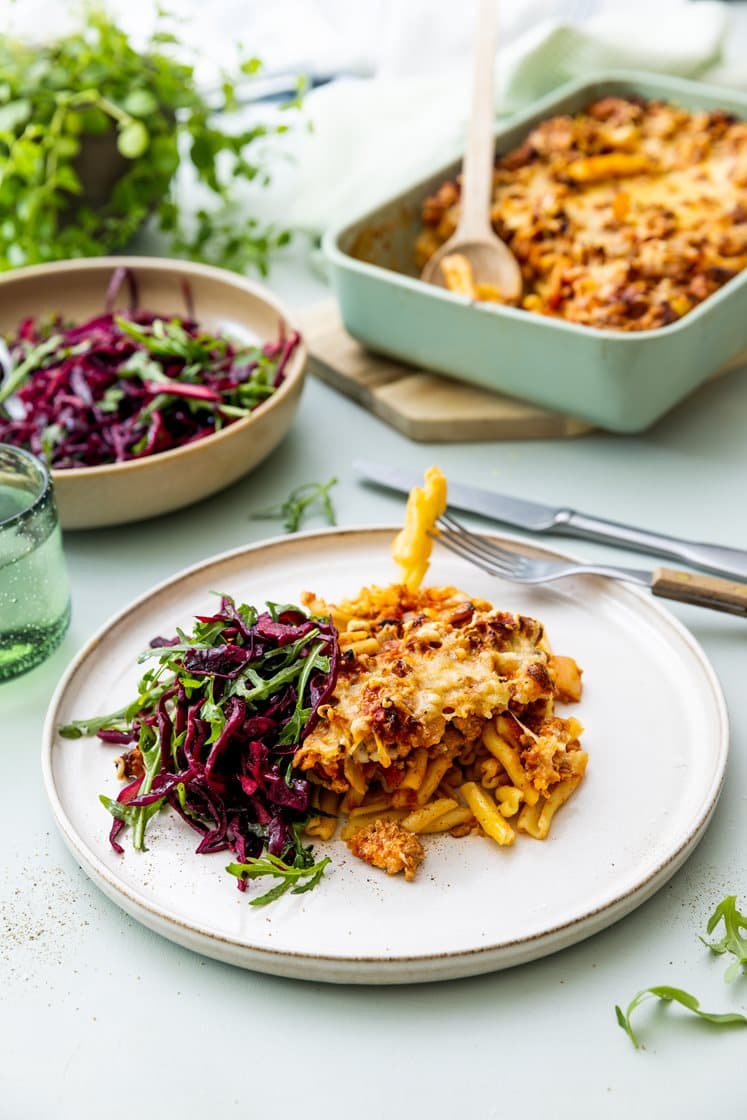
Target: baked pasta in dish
442 720
624 216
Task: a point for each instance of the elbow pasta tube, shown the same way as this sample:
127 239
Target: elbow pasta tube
412 546
486 812
452 819
355 777
419 820
435 772
371 805
416 770
324 827
509 758
442 718
490 772
536 819
509 798
458 276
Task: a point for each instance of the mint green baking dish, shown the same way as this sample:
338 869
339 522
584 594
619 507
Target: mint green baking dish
620 381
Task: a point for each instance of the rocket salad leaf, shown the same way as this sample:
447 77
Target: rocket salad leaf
293 509
732 942
212 735
290 876
676 995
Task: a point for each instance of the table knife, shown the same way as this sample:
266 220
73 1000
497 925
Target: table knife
534 517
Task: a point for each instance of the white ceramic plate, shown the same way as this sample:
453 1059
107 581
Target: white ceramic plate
656 733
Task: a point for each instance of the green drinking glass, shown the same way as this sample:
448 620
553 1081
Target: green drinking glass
34 591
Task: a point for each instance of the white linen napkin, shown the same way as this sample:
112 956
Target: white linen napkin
371 137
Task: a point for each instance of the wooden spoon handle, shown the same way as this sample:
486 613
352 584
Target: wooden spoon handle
701 590
477 166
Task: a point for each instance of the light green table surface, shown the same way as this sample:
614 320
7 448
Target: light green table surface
93 1005
100 1018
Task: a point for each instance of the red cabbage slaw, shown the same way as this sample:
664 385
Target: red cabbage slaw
125 385
212 733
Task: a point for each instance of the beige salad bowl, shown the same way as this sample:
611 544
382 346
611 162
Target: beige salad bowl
93 497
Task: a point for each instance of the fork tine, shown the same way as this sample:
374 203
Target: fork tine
510 563
452 543
462 544
469 546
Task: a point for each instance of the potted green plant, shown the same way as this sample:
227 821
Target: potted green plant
92 132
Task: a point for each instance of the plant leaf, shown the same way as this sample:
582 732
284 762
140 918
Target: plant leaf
14 114
674 995
133 139
298 501
291 876
732 942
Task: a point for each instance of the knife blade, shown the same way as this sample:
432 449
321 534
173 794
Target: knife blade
534 517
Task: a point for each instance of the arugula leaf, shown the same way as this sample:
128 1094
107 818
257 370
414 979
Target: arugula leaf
291 876
152 760
220 781
79 728
732 942
136 816
298 501
51 435
148 694
291 733
35 359
171 340
676 995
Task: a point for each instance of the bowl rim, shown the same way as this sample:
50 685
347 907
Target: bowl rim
294 371
669 84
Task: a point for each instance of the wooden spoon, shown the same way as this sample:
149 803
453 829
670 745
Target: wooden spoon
491 259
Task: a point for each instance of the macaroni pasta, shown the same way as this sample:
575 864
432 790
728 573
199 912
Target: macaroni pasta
624 216
443 716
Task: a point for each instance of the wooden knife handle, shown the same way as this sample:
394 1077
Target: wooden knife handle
701 590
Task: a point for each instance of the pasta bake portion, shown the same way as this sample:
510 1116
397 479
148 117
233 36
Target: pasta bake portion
624 216
442 720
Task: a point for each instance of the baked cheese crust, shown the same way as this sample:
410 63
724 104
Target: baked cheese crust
423 673
624 216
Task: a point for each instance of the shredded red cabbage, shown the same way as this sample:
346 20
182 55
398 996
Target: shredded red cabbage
128 384
214 729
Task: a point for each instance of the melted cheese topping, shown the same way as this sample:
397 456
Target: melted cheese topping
625 216
421 668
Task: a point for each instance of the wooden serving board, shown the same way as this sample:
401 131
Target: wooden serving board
422 405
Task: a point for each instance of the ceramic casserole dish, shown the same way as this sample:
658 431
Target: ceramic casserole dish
619 380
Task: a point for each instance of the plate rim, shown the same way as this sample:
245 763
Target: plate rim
407 968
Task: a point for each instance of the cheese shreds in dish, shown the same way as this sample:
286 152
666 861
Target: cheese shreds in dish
625 216
442 720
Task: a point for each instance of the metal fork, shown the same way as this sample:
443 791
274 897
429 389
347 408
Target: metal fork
668 583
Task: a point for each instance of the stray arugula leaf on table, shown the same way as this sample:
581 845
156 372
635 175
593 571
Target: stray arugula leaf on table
294 508
92 132
732 942
676 995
